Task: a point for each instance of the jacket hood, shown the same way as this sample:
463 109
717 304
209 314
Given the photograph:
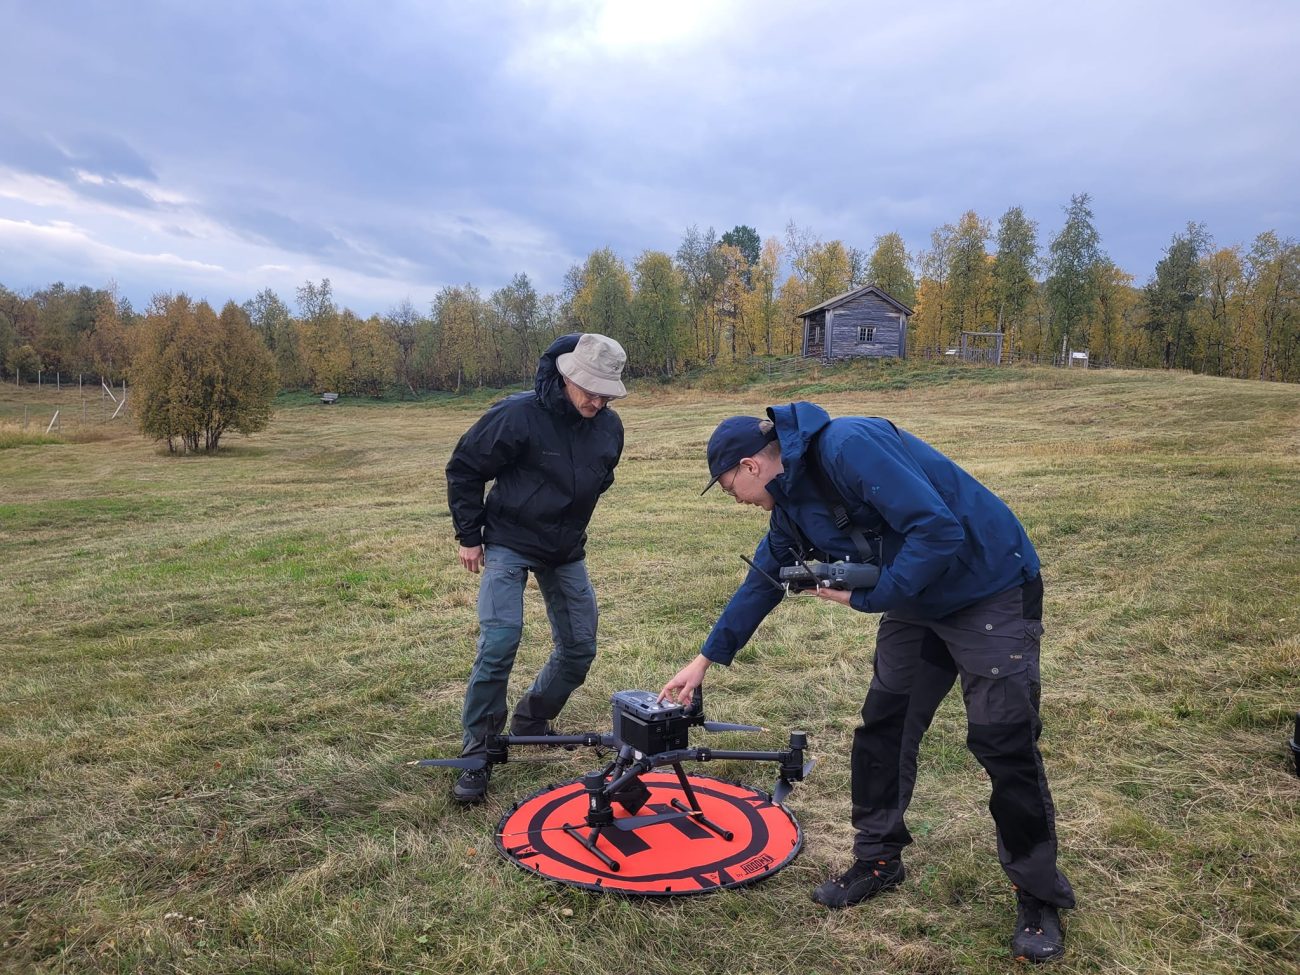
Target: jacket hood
549 384
796 425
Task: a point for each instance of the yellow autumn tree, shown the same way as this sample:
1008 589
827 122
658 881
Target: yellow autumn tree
792 299
1112 322
196 375
931 329
970 277
1224 342
735 329
768 326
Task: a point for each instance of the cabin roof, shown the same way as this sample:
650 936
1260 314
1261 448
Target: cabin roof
857 293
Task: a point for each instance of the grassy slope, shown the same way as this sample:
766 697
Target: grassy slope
213 669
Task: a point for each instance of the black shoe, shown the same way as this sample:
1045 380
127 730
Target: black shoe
866 878
1038 936
472 785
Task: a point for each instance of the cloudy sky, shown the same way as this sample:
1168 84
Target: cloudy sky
398 146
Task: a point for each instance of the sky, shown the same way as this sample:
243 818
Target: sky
400 146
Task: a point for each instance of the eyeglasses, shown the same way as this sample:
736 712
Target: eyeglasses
590 395
735 473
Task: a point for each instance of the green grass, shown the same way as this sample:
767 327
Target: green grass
214 669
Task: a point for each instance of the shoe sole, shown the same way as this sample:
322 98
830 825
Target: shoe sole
1040 961
847 904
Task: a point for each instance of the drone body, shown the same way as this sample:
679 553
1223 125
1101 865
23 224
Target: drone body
701 833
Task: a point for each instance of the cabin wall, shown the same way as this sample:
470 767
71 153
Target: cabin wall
887 329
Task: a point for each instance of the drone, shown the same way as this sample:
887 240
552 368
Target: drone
630 827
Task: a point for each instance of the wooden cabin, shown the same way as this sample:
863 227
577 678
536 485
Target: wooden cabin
863 322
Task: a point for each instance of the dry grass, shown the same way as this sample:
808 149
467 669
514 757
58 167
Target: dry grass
213 669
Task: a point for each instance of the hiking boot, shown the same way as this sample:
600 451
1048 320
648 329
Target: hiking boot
866 878
1038 936
472 785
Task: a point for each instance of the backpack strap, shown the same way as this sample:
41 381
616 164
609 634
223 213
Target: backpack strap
834 502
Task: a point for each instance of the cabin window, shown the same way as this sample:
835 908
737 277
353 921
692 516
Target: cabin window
866 333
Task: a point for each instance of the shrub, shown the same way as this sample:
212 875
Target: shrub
197 375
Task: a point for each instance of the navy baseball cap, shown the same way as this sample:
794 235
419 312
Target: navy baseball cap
736 438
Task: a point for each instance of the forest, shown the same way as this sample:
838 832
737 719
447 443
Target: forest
1220 310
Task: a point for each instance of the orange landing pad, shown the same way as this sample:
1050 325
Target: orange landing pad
671 858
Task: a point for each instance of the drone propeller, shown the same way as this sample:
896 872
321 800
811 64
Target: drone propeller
728 726
465 763
784 786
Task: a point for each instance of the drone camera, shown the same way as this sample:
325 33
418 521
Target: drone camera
649 725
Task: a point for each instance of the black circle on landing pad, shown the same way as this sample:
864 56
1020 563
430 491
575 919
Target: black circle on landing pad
672 858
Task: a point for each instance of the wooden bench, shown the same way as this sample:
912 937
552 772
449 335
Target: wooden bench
329 398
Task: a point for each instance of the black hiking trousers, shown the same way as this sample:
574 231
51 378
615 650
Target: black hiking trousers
994 647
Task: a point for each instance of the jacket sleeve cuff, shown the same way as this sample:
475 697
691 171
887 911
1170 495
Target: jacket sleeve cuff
878 599
717 656
861 600
472 540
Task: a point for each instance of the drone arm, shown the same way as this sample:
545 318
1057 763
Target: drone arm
501 742
793 766
586 738
722 755
637 769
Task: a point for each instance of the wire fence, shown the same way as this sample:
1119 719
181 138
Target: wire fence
62 402
61 381
1010 357
779 367
786 366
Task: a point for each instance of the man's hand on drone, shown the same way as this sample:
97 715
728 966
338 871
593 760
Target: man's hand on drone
841 596
682 687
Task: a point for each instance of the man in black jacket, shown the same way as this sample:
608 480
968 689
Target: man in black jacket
551 454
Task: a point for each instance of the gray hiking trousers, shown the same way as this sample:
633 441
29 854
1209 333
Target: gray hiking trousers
993 647
571 607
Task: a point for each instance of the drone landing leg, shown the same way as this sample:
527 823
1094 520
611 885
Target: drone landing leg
704 820
599 814
694 810
589 841
686 787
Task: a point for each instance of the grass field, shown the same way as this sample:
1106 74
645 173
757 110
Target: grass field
213 670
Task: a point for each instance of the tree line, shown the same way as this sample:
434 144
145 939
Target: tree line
1228 311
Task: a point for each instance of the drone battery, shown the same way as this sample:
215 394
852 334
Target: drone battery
647 724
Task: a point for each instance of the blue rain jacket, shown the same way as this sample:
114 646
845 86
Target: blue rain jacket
946 540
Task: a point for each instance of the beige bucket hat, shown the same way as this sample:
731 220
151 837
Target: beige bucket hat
595 364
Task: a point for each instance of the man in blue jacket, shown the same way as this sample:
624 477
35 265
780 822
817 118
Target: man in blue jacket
550 454
962 597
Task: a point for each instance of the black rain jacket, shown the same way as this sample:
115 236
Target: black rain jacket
549 463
